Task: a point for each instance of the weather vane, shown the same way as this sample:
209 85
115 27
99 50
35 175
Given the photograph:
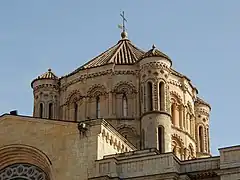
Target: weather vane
122 26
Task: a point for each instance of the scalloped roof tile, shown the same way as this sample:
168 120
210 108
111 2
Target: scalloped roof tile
124 52
48 75
201 101
154 52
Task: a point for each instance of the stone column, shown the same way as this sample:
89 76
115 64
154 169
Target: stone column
185 118
208 140
87 104
114 103
178 152
144 99
192 126
110 104
63 112
135 104
181 116
188 122
106 104
205 140
173 114
176 114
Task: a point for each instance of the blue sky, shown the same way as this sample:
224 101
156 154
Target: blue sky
201 37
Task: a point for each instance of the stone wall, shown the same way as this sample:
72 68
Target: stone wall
71 152
152 165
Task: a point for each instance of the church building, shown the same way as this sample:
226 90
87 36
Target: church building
125 114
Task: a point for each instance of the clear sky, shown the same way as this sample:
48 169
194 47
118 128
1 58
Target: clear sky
201 37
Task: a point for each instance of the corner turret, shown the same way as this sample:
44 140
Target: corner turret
155 106
46 95
202 112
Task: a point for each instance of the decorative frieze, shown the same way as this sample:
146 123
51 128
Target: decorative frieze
83 77
154 65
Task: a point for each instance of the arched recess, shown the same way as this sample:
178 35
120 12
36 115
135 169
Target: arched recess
124 98
22 157
161 139
161 88
96 90
50 110
201 138
41 109
176 110
129 133
173 113
74 100
177 146
125 87
124 105
149 95
97 95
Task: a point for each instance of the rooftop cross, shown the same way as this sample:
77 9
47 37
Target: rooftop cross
124 19
122 26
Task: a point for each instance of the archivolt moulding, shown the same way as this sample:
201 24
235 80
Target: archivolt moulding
96 90
176 96
74 96
16 154
153 80
124 127
178 139
125 87
190 146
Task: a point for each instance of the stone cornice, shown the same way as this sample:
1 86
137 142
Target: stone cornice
156 65
46 86
202 111
186 133
157 112
85 76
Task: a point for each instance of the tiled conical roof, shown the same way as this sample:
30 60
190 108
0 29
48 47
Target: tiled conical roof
154 52
47 75
124 52
201 101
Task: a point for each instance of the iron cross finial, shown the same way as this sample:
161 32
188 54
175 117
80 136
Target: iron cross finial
124 20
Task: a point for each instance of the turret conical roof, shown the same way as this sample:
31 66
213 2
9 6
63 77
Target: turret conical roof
154 52
47 75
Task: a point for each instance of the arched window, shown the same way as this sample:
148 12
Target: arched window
41 110
23 172
75 111
50 110
173 113
143 139
161 96
200 135
97 107
161 139
125 105
150 100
